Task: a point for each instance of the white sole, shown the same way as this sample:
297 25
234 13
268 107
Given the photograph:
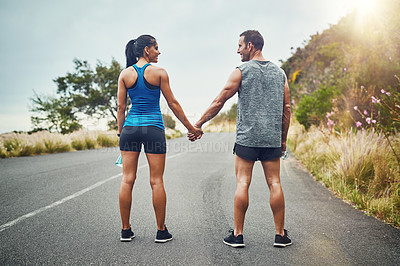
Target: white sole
234 245
279 245
162 240
127 239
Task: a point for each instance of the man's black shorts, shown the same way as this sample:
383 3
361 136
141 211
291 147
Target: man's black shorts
153 139
256 153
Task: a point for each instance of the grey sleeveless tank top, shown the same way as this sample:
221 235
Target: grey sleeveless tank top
260 105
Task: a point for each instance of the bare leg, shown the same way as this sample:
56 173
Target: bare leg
129 168
156 165
276 201
244 170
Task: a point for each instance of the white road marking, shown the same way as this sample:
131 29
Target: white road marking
61 201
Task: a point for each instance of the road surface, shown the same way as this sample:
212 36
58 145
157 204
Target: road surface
63 209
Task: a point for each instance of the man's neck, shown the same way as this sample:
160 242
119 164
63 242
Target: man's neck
258 56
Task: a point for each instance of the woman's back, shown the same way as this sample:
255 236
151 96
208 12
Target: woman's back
144 95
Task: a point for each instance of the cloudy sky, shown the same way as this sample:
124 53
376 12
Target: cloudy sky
197 40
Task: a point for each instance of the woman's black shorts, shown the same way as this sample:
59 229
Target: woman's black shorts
256 153
153 139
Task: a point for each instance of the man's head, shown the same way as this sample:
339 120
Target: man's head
250 41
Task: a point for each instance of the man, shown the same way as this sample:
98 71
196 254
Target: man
262 126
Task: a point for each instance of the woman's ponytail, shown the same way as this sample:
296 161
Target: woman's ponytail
134 48
130 53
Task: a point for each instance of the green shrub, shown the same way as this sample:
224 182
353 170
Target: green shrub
90 143
26 150
78 144
12 146
3 151
313 108
49 146
168 121
106 141
52 146
38 148
62 147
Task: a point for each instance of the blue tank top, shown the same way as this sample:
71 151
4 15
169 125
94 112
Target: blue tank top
145 98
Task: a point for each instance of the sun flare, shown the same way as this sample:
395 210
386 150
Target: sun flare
364 7
367 12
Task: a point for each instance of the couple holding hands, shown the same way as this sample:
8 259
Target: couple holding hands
262 125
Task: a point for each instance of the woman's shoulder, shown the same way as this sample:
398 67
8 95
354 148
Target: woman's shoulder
127 71
128 75
157 70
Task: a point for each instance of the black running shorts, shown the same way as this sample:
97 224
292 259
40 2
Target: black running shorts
153 139
256 153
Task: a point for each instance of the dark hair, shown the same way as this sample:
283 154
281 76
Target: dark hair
134 48
254 37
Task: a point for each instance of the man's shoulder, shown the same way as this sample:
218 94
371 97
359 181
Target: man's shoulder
243 65
247 65
254 64
275 68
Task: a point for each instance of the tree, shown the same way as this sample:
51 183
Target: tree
92 92
85 91
54 114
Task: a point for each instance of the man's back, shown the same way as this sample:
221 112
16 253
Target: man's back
260 105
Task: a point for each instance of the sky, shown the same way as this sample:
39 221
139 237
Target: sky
197 39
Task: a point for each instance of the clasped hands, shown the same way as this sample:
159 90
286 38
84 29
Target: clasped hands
196 133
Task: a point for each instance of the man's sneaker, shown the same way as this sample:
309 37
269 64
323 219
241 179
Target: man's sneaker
163 236
282 241
234 241
127 235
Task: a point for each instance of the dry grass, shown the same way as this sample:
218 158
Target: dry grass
358 166
172 133
22 144
223 126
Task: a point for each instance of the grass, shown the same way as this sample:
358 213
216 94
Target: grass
105 141
172 133
222 126
358 166
22 144
43 142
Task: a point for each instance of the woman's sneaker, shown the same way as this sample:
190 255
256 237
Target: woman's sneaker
234 241
282 241
163 236
127 235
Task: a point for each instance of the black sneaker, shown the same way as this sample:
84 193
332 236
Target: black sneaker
163 236
282 241
234 241
127 235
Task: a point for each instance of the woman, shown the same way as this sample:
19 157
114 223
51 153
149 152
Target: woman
144 126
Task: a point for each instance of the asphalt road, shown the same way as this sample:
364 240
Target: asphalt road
63 209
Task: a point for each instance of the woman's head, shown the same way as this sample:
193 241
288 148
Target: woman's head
136 48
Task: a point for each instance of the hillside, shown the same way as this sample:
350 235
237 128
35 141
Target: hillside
345 95
345 65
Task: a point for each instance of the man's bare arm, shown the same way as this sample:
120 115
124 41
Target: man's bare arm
286 115
230 88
